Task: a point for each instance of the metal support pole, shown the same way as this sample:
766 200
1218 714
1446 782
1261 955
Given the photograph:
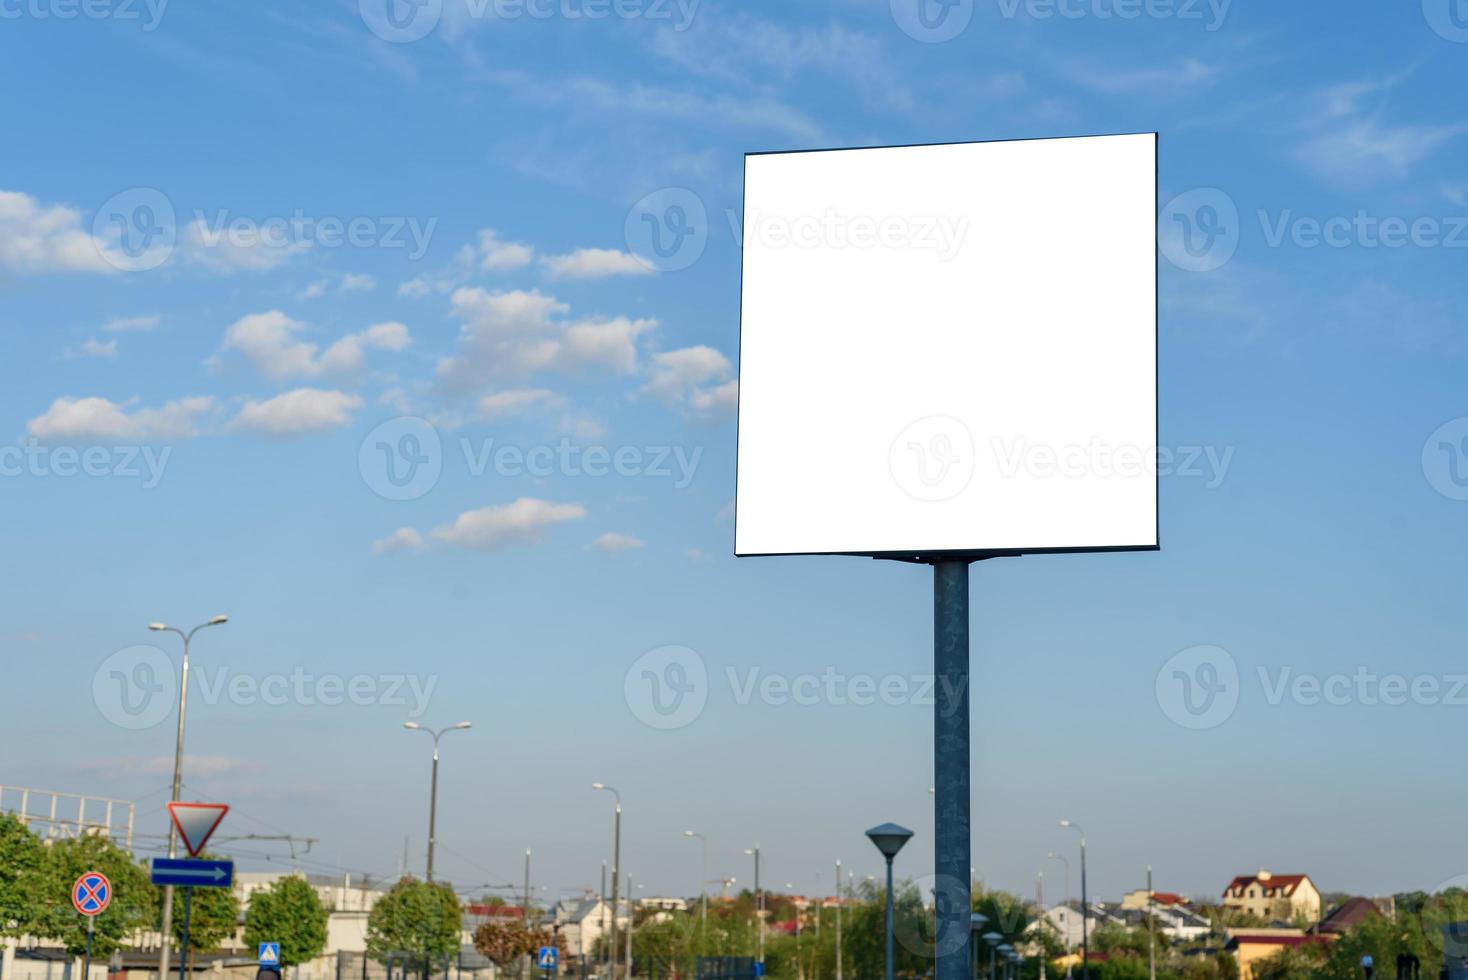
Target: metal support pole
952 895
183 949
178 749
1151 931
1085 919
890 971
838 922
616 874
87 961
432 809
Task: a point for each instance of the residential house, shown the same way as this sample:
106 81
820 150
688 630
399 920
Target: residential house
1138 899
1249 946
1274 897
1065 921
582 921
1348 916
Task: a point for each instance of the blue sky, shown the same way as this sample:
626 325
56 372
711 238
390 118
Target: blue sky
498 283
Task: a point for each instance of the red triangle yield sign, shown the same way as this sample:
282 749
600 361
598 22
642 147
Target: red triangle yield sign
196 823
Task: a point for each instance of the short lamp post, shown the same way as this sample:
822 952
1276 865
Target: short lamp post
993 939
976 922
889 839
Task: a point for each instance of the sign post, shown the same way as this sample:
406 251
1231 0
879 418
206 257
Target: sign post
90 895
196 823
948 353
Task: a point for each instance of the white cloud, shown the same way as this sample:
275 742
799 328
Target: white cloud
39 238
695 380
314 290
300 412
403 539
356 282
515 333
498 255
132 324
492 528
595 263
613 543
516 401
1349 142
92 347
270 342
246 248
99 418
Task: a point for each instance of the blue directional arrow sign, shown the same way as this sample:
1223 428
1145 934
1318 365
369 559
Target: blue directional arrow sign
186 871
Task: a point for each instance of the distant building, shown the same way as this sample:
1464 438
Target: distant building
1348 916
1249 946
1274 897
582 921
1138 899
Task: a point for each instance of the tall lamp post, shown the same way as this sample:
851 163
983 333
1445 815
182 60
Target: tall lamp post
616 867
413 726
759 903
1085 909
838 921
1065 861
889 839
183 700
703 876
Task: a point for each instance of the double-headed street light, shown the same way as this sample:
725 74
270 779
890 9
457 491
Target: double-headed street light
703 873
183 700
413 726
616 872
1085 909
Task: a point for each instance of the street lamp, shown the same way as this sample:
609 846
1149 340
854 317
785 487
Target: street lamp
1065 861
975 923
993 939
616 869
759 902
413 726
1085 909
889 839
183 697
703 873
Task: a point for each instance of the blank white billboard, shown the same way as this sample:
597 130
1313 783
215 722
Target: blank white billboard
949 348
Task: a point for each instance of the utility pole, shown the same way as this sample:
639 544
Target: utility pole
1151 931
1040 923
838 919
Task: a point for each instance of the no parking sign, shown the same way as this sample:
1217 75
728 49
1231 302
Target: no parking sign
92 893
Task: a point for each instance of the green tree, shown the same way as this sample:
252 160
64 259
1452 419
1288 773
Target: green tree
418 920
22 865
134 899
289 912
213 914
